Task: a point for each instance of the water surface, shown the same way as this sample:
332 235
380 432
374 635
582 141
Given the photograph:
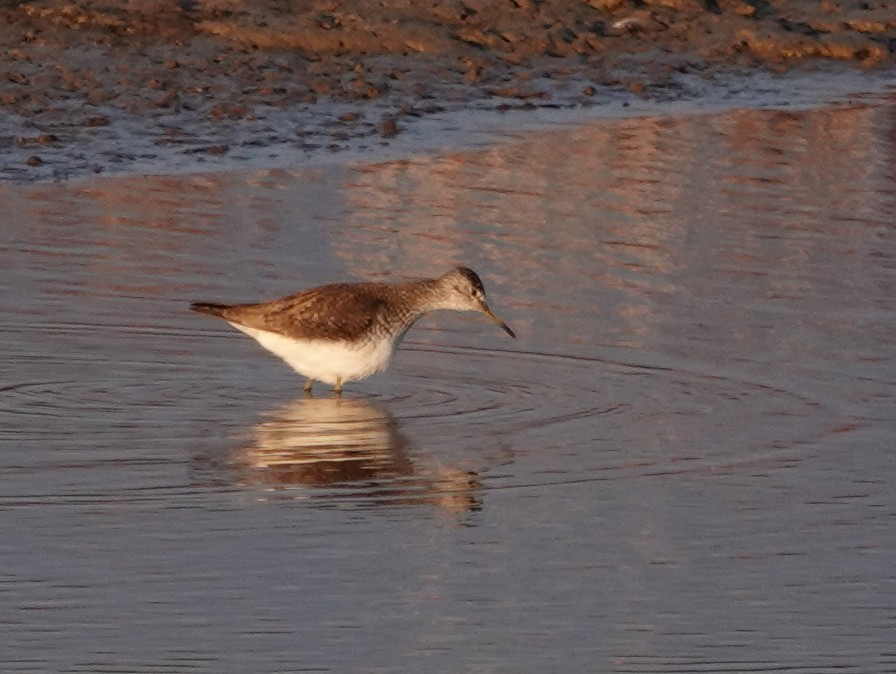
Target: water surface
683 463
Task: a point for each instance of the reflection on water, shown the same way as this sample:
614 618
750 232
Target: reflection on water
641 212
321 442
352 447
681 465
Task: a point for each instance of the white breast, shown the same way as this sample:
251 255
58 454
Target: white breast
326 360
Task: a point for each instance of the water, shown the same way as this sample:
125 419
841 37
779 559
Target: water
682 465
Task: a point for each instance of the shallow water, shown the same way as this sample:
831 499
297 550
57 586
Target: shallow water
683 463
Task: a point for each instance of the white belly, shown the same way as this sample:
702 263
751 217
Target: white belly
325 360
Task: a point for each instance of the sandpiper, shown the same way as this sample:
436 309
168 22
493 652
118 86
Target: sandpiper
348 331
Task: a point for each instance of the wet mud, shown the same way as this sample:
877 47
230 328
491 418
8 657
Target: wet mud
107 86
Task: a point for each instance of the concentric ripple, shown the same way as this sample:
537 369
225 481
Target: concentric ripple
631 410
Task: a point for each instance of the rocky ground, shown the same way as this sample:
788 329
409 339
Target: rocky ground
100 86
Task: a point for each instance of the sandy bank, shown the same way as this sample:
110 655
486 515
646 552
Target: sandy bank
99 86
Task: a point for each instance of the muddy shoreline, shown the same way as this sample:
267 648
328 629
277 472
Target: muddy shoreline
110 87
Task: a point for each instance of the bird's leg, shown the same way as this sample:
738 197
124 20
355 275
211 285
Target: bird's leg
337 389
307 387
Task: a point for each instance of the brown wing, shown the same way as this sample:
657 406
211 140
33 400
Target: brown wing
329 312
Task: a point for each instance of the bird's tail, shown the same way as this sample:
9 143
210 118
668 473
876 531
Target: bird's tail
209 308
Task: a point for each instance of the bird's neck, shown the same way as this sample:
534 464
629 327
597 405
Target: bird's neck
419 298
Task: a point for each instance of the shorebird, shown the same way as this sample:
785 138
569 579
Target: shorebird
348 331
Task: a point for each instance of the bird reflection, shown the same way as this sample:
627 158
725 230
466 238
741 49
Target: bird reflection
345 447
